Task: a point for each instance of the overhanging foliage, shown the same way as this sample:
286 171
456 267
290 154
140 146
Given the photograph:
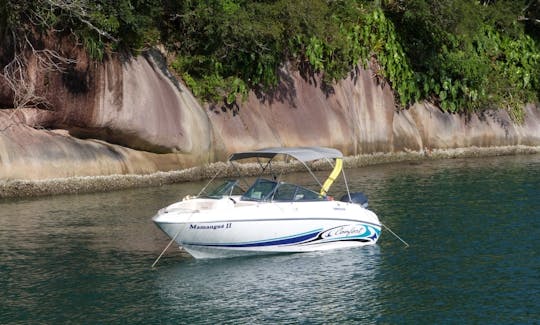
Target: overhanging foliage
462 55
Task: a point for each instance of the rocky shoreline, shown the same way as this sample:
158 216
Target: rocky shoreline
93 184
136 126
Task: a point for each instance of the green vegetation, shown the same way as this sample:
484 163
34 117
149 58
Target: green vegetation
472 55
462 55
100 26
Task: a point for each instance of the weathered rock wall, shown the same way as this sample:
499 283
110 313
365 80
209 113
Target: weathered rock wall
130 116
424 126
359 116
354 116
116 118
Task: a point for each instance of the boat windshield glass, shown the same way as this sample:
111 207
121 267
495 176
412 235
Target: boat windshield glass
264 189
227 188
261 190
291 192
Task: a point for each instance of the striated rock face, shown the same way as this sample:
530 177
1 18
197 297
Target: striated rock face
425 126
358 116
116 118
130 116
355 117
134 104
29 153
140 107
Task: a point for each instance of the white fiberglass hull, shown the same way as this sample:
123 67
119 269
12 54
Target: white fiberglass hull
209 228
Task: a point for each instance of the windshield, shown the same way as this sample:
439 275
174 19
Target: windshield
291 192
227 188
262 189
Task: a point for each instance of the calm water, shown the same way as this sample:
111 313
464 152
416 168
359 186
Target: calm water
473 227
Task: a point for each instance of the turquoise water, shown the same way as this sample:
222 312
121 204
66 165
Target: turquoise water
473 226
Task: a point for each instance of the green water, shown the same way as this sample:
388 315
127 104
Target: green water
473 227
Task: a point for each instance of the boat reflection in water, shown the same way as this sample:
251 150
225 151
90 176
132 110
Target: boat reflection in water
314 287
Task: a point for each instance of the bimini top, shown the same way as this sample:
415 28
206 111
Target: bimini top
300 153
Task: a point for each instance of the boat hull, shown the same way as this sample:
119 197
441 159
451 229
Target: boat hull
268 228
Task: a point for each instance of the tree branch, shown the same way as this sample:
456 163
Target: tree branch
523 18
79 9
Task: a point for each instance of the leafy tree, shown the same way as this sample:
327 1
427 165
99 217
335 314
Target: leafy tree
466 53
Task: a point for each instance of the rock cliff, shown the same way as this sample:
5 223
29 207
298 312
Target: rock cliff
130 116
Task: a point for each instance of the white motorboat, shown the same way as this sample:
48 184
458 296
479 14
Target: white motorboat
271 216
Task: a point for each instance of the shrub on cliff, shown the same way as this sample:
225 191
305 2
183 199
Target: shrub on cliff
462 55
228 47
471 55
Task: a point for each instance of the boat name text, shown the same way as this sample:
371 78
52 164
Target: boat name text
210 226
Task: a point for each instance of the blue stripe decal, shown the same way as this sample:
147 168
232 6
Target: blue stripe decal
278 241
